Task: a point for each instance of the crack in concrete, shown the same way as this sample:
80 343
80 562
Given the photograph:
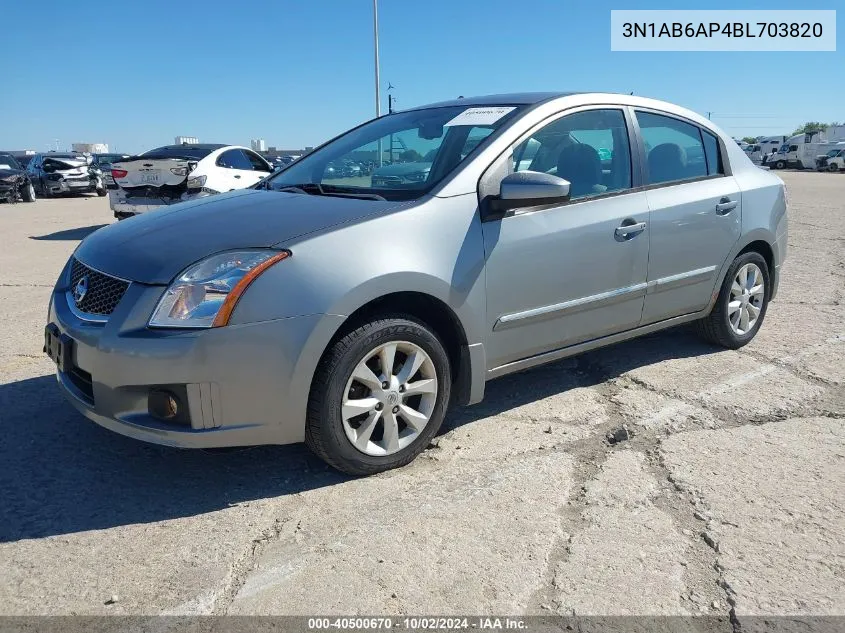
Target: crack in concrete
240 569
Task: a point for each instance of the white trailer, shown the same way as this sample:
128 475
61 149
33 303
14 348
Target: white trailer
802 150
763 148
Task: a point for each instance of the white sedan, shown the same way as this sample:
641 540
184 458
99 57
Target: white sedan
174 173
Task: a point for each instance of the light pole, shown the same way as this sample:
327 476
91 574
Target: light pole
378 80
375 43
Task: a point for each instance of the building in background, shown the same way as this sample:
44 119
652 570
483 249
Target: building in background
258 145
90 148
187 140
271 153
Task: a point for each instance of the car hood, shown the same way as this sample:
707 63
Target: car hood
155 247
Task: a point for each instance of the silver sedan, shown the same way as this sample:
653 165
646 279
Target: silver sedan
324 307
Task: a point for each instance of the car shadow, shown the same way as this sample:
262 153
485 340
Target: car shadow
584 370
76 234
61 474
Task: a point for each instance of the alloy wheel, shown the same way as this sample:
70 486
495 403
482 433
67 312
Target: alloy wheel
746 300
389 399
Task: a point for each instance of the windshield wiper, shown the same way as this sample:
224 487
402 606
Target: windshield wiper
316 189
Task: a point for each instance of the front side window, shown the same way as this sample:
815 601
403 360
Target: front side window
589 149
674 149
256 162
400 156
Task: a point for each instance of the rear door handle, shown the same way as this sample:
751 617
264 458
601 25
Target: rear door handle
725 206
628 231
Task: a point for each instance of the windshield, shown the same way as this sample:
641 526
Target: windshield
832 153
7 162
397 157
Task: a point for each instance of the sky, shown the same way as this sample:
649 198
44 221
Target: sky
297 73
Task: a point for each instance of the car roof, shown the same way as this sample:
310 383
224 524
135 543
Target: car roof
209 146
514 98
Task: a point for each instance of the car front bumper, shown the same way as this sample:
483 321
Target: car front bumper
55 187
241 383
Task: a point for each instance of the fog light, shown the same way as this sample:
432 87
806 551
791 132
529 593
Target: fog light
167 406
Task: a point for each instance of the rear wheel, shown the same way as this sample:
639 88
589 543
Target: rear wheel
28 193
741 305
379 396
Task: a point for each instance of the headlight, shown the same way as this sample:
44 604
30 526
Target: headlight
197 182
206 293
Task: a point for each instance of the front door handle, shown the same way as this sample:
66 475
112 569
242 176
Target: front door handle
628 231
725 206
237 175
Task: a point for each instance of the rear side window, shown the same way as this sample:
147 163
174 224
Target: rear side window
234 159
674 149
714 157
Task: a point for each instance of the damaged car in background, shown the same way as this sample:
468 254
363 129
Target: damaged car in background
14 181
176 173
62 173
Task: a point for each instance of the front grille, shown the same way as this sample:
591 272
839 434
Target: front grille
103 292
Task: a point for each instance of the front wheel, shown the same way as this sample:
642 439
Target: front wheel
780 164
741 305
833 167
28 193
379 396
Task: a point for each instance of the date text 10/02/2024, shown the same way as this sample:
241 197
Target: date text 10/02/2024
418 623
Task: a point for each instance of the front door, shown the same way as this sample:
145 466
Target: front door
575 272
696 213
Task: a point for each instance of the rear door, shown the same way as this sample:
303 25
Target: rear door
695 213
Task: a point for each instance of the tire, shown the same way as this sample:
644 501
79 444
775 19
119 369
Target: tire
330 436
102 192
717 326
28 193
780 164
834 167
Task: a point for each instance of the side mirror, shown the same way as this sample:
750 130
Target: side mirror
525 189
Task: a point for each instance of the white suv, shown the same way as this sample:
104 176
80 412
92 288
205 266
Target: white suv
174 173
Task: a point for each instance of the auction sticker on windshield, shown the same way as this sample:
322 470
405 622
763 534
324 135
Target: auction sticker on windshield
479 116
